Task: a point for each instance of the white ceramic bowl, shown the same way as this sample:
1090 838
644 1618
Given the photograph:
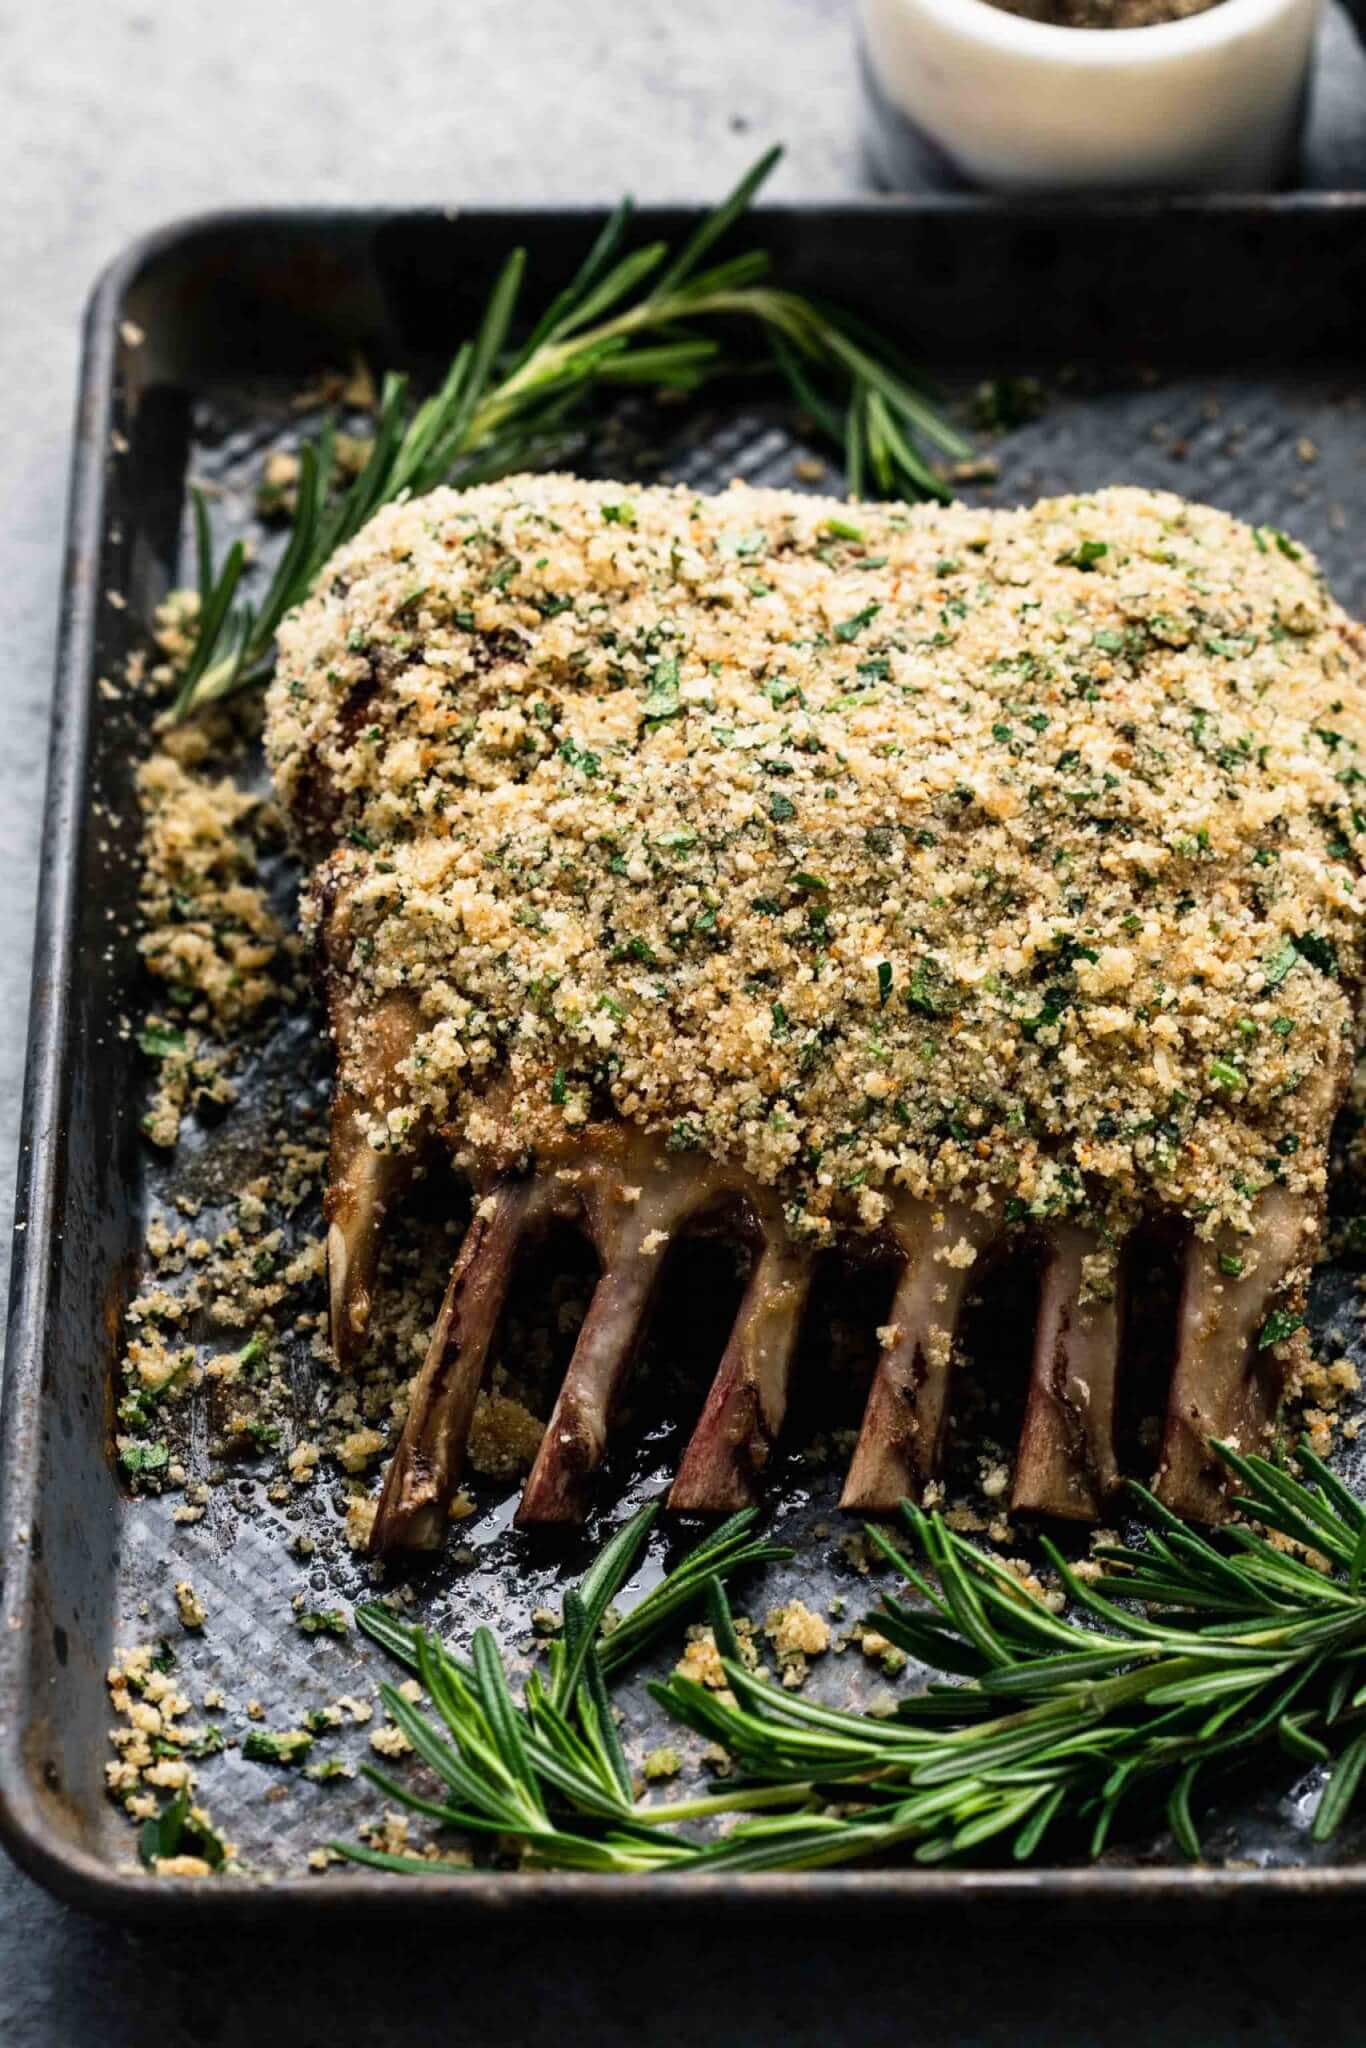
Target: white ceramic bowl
1214 102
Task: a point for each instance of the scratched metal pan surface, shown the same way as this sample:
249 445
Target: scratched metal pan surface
1209 347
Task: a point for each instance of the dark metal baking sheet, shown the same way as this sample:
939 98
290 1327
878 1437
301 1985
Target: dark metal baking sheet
1203 346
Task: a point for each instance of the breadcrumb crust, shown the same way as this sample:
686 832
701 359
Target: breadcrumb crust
943 849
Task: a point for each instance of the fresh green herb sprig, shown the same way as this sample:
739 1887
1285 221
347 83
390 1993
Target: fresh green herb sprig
638 317
539 1773
1188 1656
1066 1721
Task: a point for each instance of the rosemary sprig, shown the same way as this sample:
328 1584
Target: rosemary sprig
1231 1649
629 317
507 1768
1187 1656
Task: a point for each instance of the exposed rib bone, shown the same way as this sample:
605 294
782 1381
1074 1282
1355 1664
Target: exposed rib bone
1224 1384
745 1406
359 1197
363 1184
900 1445
628 1232
1066 1463
424 1469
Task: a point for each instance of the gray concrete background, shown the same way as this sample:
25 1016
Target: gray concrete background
114 118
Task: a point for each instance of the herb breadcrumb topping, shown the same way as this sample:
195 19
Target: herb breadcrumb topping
1007 855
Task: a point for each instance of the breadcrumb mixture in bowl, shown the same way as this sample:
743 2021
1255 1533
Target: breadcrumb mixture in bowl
1011 855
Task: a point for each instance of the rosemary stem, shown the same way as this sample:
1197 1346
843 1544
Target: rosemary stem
747 1801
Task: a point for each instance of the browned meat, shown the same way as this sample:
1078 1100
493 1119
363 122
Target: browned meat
834 875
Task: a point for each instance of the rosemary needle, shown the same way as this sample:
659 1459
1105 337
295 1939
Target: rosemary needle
1189 1654
643 316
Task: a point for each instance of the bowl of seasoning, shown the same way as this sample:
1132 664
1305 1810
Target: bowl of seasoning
1071 96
